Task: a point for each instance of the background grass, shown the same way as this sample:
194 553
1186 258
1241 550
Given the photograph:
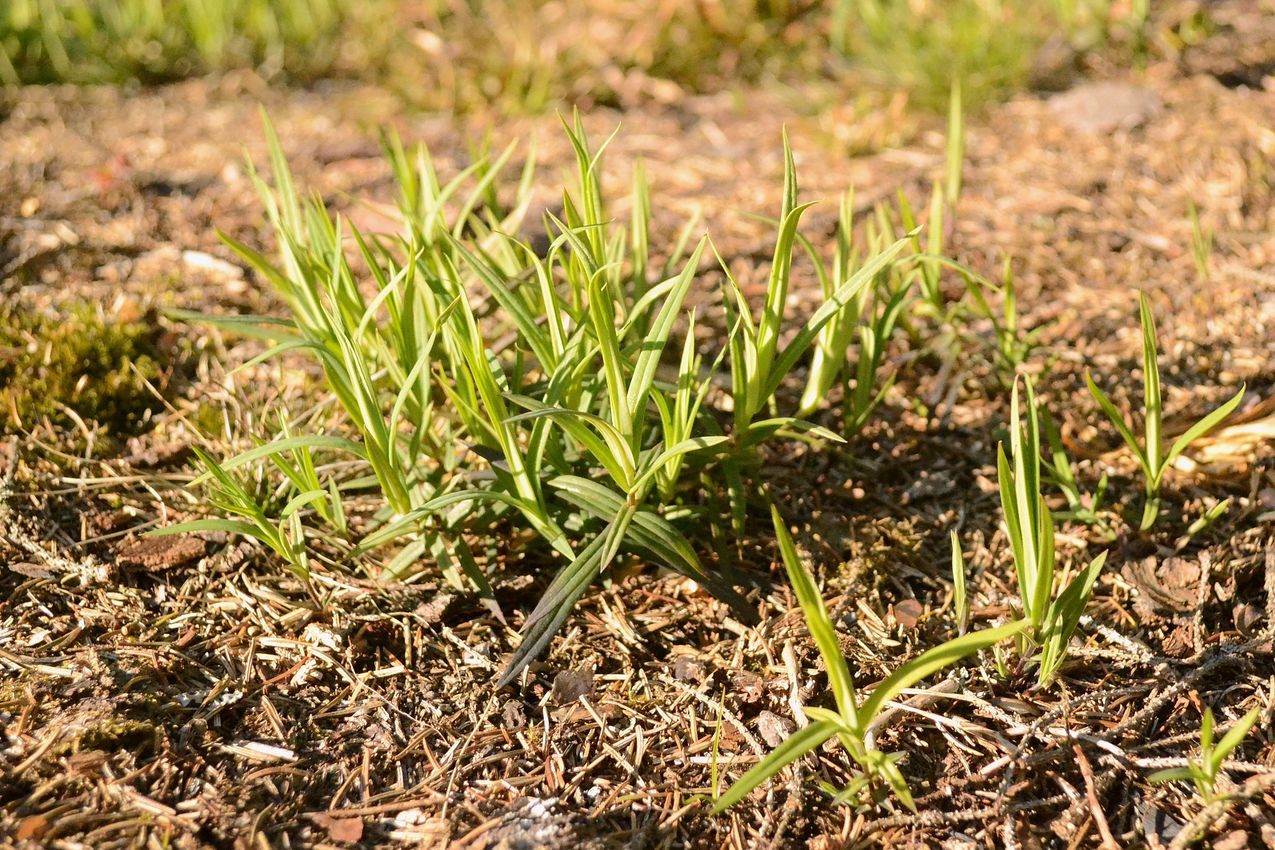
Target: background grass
529 56
115 41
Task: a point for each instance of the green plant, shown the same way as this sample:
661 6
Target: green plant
115 40
1203 772
850 722
552 368
757 363
283 533
869 318
1052 615
1201 243
1151 456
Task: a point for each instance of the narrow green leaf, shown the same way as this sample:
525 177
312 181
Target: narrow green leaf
819 624
894 778
229 526
1232 739
1205 425
607 445
797 745
1152 405
648 358
960 602
561 595
1116 419
930 662
1172 774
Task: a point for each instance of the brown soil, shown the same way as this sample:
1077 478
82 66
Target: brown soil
193 694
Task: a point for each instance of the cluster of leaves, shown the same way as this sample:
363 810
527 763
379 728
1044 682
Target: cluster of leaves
581 422
100 41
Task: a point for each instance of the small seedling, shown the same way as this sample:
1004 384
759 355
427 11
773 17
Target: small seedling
1203 772
284 534
1151 455
1052 617
850 722
1201 243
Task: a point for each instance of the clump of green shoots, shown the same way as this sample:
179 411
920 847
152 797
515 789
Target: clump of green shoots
1150 454
1052 615
852 719
283 533
758 364
1203 772
485 384
868 319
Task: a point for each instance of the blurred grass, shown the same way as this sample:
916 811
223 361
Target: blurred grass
115 41
533 55
993 46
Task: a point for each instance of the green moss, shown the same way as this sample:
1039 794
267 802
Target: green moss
81 362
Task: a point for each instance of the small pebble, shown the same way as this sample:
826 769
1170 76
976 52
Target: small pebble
513 716
774 730
688 669
570 685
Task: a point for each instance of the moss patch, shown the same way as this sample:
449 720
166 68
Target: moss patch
84 363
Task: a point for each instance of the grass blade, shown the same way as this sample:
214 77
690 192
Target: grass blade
797 745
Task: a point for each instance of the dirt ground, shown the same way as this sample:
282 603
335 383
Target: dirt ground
189 693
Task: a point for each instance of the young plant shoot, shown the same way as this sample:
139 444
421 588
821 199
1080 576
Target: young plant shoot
1051 615
1150 454
1203 772
850 721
